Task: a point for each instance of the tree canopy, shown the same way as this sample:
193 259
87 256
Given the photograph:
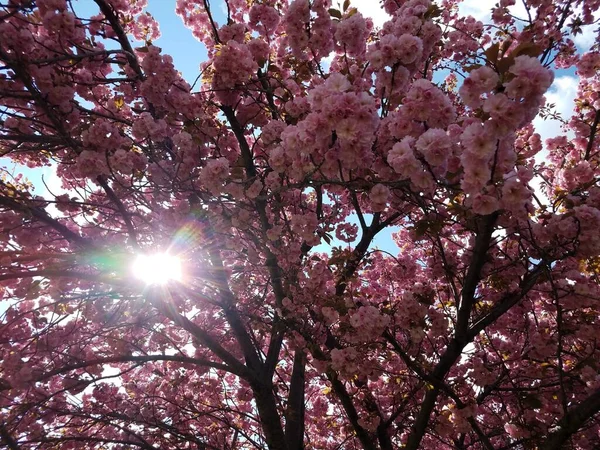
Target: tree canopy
204 276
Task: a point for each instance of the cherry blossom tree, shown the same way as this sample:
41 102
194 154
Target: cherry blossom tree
308 133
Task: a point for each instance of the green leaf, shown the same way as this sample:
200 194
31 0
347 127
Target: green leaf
433 11
335 13
346 5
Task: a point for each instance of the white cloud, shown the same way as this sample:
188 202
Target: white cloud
372 9
562 94
480 9
587 37
52 183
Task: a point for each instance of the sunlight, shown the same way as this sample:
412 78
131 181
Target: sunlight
159 268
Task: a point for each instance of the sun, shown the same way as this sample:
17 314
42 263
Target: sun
157 268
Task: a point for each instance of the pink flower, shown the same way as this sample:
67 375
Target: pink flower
484 78
409 49
379 196
498 106
589 64
478 143
402 158
214 174
435 146
351 35
264 19
531 78
484 204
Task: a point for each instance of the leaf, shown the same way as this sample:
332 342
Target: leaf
335 13
491 53
433 11
421 228
119 101
504 64
527 48
470 68
143 49
346 5
33 290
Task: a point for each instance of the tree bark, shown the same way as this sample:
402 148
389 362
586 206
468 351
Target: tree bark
269 416
294 416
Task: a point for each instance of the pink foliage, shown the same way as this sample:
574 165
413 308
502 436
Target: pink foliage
310 133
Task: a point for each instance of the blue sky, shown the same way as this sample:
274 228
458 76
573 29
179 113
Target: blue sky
176 40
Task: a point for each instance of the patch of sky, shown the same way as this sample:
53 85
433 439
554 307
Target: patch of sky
382 241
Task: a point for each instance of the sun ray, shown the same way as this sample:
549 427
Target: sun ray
158 268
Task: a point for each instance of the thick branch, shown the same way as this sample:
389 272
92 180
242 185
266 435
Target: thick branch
136 359
507 302
456 345
112 18
346 400
47 273
271 259
361 250
572 422
593 131
261 382
203 337
89 439
294 415
480 249
444 365
44 217
228 303
8 439
454 350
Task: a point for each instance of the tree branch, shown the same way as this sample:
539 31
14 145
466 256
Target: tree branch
202 336
44 217
294 415
121 207
480 249
136 359
8 439
572 422
112 18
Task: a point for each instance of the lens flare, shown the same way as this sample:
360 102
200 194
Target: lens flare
159 268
